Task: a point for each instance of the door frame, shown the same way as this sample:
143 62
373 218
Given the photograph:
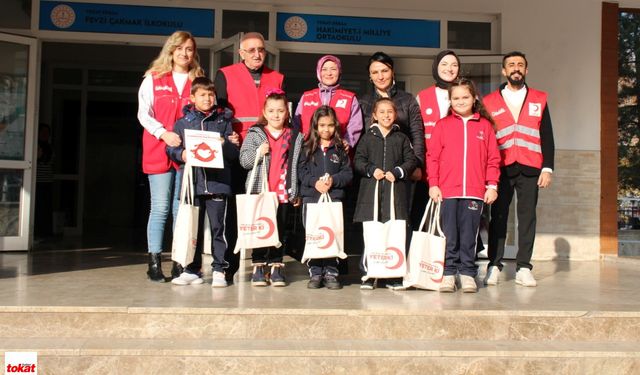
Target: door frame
24 239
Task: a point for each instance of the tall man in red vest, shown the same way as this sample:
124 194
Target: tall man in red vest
242 87
525 139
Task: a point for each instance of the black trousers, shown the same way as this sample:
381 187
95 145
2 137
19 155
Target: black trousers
215 207
526 187
274 254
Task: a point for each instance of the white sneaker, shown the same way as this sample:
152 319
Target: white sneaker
448 284
493 274
186 278
219 280
524 277
468 284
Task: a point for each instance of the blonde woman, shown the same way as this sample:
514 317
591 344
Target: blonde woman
162 95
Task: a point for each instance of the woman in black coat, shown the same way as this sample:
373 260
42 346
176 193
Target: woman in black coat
408 118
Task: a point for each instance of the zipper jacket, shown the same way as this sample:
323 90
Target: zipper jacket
333 161
463 157
393 153
208 181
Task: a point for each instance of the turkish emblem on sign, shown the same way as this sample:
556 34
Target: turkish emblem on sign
204 148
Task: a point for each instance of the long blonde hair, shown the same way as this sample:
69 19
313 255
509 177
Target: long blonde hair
164 62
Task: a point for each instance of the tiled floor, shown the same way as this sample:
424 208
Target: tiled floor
116 277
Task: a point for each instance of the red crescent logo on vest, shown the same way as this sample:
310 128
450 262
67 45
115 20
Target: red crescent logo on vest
400 256
203 152
441 277
270 227
535 109
331 235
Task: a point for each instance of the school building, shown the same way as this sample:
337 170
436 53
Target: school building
77 65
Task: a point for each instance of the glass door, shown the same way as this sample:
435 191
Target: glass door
17 119
224 53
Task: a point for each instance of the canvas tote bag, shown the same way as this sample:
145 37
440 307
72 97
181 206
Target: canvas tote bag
257 221
185 232
427 252
384 243
324 237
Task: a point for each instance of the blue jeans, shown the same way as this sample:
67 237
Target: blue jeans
165 194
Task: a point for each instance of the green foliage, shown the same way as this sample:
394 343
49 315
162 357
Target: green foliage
628 103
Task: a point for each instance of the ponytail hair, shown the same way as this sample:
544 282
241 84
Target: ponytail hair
275 94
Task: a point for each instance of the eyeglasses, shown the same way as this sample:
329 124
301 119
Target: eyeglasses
253 50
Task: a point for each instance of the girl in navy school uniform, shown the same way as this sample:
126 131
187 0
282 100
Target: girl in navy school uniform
324 168
463 165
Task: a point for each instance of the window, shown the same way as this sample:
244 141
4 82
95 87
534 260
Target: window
469 35
238 21
16 14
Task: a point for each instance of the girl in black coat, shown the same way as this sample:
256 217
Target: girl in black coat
324 167
383 154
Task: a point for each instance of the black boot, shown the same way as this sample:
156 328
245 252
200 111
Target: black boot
155 267
176 270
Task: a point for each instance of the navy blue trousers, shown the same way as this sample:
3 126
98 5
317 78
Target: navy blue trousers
460 224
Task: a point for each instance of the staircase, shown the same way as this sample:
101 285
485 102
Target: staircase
164 329
238 341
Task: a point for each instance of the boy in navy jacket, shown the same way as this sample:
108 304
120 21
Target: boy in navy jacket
212 186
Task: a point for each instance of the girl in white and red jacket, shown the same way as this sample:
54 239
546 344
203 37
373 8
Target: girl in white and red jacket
463 165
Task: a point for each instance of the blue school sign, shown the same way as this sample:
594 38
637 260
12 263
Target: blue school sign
293 27
124 19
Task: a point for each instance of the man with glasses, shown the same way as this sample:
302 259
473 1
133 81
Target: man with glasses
242 86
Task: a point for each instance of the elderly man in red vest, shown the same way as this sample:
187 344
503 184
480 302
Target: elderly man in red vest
525 139
242 86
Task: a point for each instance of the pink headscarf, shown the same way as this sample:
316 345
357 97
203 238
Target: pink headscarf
323 60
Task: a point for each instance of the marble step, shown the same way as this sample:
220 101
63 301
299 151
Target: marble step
321 324
208 356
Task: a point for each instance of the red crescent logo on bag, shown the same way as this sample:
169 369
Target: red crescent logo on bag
399 253
203 152
270 227
440 279
331 235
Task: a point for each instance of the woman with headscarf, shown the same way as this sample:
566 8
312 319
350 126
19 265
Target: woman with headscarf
434 105
329 92
434 100
163 93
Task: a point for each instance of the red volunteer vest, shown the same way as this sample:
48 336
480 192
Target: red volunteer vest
518 141
341 102
244 98
167 109
430 111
